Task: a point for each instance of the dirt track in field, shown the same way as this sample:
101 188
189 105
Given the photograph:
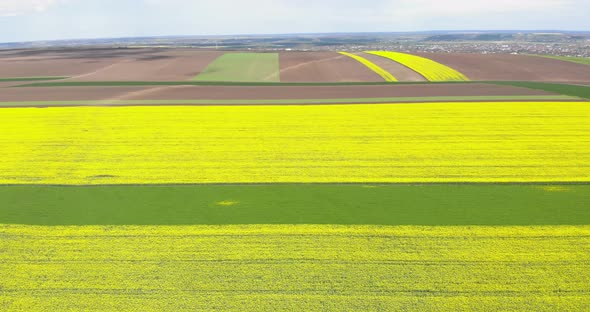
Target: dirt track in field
399 71
323 67
512 67
256 92
108 64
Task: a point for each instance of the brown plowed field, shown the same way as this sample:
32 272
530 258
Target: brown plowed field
108 64
512 67
399 71
66 93
323 67
158 67
256 92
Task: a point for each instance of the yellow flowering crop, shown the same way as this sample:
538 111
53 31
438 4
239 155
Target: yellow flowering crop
294 267
441 142
431 70
372 66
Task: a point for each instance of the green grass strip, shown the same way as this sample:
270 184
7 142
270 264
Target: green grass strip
564 89
292 101
372 66
245 67
10 79
579 60
392 204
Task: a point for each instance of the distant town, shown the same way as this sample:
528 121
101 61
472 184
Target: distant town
557 43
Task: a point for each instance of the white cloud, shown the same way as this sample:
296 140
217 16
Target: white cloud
20 7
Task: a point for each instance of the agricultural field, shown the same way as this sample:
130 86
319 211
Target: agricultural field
245 67
287 267
179 179
327 144
323 67
579 60
175 65
430 69
512 67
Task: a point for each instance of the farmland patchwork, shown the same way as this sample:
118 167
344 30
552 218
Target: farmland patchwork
143 199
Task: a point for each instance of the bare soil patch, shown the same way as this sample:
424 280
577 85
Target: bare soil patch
107 64
165 66
512 67
323 67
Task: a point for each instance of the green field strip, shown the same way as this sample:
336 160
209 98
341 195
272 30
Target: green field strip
558 88
372 66
389 204
10 79
579 60
431 99
243 67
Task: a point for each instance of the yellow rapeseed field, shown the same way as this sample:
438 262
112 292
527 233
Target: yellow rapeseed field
431 70
441 142
372 66
294 267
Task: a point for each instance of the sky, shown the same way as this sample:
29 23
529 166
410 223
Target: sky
30 20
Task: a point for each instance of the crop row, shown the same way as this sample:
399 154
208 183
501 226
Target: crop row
287 266
431 70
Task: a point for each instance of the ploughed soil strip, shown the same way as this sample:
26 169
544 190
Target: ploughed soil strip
399 71
169 66
54 94
107 64
512 67
260 93
323 67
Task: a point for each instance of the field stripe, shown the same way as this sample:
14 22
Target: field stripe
294 268
372 66
359 101
431 70
389 204
441 142
243 67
